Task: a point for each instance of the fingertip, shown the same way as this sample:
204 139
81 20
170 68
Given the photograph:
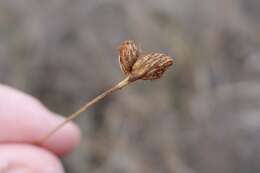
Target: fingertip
65 139
27 120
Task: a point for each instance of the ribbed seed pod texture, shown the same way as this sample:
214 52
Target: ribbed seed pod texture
128 54
151 66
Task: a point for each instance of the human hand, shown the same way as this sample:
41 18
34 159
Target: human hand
23 122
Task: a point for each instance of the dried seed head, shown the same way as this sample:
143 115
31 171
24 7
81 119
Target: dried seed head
128 54
151 66
147 67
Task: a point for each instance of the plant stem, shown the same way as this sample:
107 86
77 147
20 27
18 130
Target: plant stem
108 92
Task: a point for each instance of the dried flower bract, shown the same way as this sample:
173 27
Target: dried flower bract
151 66
128 54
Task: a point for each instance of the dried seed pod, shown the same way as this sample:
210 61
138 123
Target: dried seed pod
128 54
151 66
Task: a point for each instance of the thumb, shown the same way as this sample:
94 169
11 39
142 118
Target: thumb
22 158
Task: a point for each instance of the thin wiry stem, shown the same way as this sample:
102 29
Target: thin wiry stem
108 92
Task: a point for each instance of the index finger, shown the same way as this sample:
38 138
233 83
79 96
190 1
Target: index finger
24 119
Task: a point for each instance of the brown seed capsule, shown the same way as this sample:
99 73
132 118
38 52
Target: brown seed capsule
151 66
128 54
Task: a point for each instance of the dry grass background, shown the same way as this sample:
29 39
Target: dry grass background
203 116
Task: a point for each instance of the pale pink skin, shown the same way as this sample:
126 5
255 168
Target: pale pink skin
23 122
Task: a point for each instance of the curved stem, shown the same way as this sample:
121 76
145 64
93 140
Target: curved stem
108 92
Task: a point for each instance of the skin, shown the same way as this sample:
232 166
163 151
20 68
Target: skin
23 122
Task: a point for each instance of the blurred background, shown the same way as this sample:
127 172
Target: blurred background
202 116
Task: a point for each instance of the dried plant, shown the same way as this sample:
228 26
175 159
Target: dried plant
128 54
135 66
